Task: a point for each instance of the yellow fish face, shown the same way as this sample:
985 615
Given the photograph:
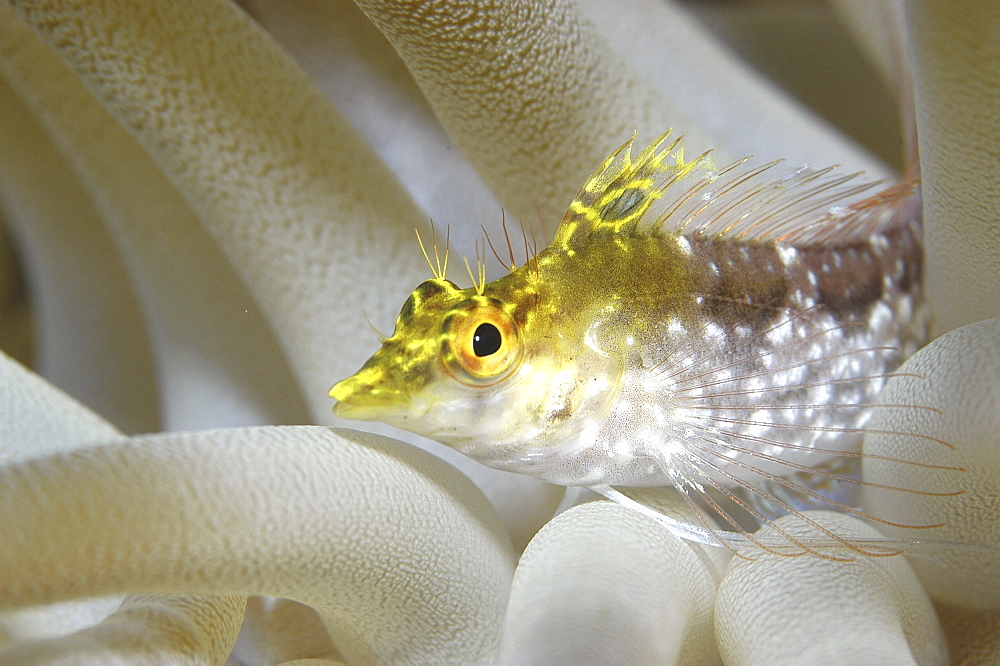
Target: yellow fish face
479 371
408 360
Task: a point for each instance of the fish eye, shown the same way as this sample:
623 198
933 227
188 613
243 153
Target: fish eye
487 340
482 344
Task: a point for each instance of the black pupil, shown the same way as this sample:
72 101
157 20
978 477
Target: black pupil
486 340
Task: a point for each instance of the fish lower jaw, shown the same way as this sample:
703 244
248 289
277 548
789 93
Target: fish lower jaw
353 412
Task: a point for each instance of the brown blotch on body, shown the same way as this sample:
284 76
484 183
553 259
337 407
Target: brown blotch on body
747 286
848 280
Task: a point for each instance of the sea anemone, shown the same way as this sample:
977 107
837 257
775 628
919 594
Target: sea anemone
207 202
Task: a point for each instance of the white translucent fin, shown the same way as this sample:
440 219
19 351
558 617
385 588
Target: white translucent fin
657 191
767 434
748 202
570 498
748 546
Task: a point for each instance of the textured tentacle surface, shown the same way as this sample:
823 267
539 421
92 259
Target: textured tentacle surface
295 207
148 628
566 608
37 420
958 141
789 611
526 82
262 177
956 375
90 337
195 514
207 359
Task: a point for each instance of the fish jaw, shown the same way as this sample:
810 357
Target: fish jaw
360 397
384 389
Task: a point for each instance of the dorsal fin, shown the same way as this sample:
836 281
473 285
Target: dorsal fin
743 202
621 190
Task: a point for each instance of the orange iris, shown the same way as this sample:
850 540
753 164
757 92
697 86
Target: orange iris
482 343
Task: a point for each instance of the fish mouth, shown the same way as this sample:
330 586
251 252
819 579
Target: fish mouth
362 400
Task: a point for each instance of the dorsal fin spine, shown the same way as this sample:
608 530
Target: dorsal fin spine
741 202
622 189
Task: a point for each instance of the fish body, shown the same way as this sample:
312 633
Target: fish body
720 331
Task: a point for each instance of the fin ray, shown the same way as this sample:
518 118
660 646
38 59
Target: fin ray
742 202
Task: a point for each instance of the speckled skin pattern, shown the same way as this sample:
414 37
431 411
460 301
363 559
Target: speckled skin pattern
717 330
765 363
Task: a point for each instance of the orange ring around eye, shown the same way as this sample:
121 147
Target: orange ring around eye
482 344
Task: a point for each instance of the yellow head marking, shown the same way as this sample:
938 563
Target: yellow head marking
407 358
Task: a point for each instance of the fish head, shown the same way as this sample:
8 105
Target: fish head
497 373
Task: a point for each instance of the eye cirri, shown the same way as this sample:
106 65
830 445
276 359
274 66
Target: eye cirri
481 342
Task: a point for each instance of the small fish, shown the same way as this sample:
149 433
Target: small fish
718 330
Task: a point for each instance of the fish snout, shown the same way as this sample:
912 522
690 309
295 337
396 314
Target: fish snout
361 398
